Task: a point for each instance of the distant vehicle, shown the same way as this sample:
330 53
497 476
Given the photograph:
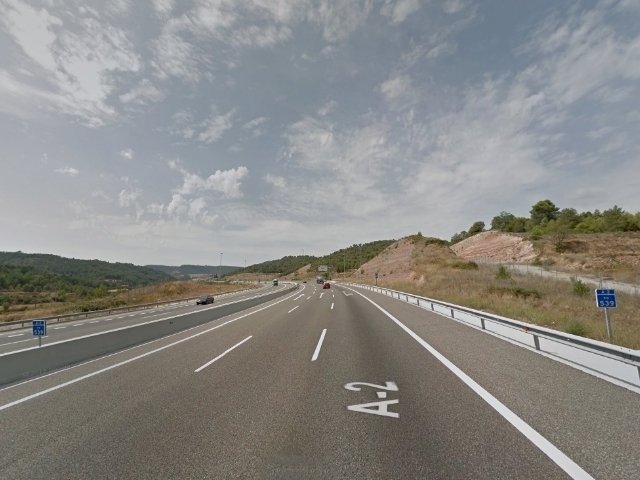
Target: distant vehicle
326 285
275 282
304 281
204 300
319 280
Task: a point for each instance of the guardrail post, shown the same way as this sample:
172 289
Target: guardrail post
418 301
536 342
452 316
432 307
482 323
407 298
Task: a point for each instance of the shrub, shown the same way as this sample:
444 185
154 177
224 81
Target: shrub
580 288
537 262
465 265
517 292
502 273
6 305
576 328
416 238
435 241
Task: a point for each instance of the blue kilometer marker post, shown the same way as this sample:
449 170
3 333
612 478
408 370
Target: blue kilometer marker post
606 299
39 330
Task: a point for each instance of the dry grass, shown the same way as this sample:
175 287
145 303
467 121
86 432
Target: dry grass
158 293
542 301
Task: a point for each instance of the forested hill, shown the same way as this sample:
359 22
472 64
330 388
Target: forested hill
84 272
351 257
194 269
283 266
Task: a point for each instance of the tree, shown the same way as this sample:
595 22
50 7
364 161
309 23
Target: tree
477 227
559 232
500 222
569 216
458 237
543 209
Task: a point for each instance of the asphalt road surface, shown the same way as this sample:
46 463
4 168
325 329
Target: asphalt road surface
321 384
18 339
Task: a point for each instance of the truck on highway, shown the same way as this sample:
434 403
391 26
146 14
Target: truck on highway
319 280
275 282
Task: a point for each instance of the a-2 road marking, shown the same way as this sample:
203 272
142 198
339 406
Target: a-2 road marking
375 408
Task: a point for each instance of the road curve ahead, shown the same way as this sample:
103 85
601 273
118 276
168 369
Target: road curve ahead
319 384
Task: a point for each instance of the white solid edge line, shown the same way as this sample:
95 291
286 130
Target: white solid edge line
222 354
319 346
565 463
293 309
124 362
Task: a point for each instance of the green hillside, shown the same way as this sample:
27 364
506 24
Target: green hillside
51 272
283 266
351 257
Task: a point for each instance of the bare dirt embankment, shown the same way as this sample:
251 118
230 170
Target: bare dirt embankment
615 255
435 271
495 247
400 260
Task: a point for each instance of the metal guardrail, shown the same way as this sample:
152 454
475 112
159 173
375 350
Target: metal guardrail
67 317
612 352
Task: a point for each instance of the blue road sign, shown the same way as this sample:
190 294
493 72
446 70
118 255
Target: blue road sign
39 327
606 298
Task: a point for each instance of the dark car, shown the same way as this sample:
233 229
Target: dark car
304 281
204 300
326 285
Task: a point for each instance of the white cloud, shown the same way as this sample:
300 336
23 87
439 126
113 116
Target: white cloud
396 88
68 171
143 93
175 57
163 7
399 10
327 108
126 198
215 126
156 208
254 123
196 206
345 168
275 180
79 62
227 182
177 206
442 49
127 153
340 18
453 6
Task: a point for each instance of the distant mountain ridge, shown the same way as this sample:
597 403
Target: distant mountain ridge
194 269
90 272
350 258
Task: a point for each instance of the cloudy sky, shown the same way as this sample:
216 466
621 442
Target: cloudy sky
162 131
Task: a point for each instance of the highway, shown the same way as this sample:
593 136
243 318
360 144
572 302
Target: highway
321 384
17 339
